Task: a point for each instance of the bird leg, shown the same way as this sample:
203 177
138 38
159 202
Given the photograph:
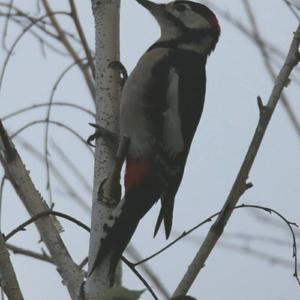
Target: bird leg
110 189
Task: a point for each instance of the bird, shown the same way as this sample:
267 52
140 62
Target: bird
161 105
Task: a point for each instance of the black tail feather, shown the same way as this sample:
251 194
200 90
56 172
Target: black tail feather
137 202
158 222
166 214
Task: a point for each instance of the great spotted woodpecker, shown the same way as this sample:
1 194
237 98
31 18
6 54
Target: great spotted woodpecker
161 105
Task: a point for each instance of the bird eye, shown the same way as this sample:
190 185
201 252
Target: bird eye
179 7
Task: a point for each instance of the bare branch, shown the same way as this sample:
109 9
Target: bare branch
59 79
9 282
1 198
249 251
27 28
81 34
35 204
6 25
66 159
148 271
133 269
48 212
267 61
57 172
70 49
42 214
39 256
292 9
267 46
35 106
59 124
240 185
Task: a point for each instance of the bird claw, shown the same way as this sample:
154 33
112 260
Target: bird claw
101 132
109 192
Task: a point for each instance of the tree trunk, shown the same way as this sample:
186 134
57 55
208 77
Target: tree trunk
107 17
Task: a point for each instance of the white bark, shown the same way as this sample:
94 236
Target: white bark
107 115
19 177
8 279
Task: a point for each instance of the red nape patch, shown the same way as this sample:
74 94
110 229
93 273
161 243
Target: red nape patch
136 170
215 24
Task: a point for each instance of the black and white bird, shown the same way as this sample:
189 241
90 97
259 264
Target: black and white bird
161 105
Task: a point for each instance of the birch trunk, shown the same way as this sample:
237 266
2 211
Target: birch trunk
107 17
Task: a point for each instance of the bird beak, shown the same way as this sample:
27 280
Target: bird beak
154 9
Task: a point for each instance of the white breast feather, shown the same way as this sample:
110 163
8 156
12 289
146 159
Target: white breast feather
133 122
172 133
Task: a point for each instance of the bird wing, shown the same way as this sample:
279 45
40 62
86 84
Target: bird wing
184 98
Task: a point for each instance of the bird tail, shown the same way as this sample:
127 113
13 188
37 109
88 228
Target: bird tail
166 215
118 236
136 203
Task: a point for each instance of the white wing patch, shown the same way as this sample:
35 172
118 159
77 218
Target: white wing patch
172 133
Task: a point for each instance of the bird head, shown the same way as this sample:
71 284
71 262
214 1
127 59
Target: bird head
190 22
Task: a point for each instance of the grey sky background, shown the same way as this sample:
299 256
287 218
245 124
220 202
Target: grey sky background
236 76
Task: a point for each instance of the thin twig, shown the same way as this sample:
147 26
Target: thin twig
247 238
42 25
43 42
268 46
135 255
249 251
48 212
133 269
11 3
83 263
64 40
292 9
81 34
57 172
29 253
35 106
19 38
1 198
268 65
51 99
208 220
45 213
74 169
59 124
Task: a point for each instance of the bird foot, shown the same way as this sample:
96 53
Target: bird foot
110 189
102 132
118 66
109 192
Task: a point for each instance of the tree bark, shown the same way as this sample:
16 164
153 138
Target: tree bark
107 17
8 279
33 201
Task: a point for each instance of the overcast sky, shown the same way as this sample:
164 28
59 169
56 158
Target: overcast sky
236 76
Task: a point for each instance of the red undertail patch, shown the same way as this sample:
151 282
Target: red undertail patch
135 172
